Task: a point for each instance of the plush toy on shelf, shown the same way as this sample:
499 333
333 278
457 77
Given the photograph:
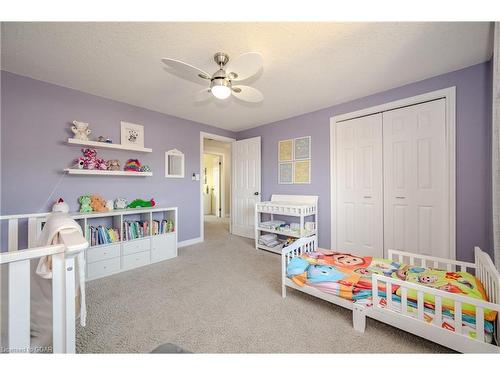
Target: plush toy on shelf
141 203
80 130
132 165
120 203
89 160
110 204
113 165
145 168
98 203
85 203
60 206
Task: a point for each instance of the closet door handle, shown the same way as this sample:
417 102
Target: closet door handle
400 197
367 196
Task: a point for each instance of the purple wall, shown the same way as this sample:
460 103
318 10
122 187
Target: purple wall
473 116
35 121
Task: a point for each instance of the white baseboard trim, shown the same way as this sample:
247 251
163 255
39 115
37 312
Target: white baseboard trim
189 242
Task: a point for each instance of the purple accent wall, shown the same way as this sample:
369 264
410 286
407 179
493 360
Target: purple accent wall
35 121
473 131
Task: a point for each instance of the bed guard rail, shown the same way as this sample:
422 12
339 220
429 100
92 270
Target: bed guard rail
438 295
17 291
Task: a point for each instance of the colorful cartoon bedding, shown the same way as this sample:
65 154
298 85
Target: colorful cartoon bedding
349 276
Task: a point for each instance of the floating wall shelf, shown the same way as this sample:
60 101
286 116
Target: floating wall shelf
96 172
113 146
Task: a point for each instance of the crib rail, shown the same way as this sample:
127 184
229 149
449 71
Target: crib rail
438 296
18 288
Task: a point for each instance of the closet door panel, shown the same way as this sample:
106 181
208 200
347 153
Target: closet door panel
415 173
359 185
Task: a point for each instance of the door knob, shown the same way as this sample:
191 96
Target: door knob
367 196
400 197
256 193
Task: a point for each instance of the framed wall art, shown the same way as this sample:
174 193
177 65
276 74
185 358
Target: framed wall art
294 161
285 173
285 150
132 135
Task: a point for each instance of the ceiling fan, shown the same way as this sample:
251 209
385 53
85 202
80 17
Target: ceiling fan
222 82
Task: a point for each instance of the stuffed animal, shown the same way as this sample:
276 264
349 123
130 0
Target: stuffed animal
113 165
141 203
109 205
89 158
132 165
79 163
60 206
100 164
81 130
120 203
145 168
98 203
85 203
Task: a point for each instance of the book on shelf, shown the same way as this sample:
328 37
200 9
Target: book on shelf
135 229
101 235
163 226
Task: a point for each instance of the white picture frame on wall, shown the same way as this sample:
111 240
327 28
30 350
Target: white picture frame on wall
285 173
132 135
302 148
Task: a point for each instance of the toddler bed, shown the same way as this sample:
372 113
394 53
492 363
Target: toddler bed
438 299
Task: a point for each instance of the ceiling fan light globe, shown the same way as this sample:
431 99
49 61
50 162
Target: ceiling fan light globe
221 88
221 92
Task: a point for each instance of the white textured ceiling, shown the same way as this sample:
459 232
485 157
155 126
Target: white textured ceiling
307 66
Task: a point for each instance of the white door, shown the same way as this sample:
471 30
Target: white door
359 185
415 179
246 185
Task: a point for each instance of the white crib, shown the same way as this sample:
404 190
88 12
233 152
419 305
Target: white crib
15 290
399 316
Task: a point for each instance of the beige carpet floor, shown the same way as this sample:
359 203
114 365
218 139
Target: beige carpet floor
223 296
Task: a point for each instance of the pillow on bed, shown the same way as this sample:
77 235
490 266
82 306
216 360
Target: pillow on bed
453 282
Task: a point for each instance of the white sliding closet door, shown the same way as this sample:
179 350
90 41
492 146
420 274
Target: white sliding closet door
415 179
359 185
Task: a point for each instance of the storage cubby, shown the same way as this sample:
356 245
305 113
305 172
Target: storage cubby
163 222
104 259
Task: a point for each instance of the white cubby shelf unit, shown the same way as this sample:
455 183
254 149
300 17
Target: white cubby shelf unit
300 207
123 255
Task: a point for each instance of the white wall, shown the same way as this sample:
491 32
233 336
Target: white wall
223 148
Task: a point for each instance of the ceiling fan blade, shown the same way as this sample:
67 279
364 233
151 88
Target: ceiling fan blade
244 66
203 95
186 71
247 94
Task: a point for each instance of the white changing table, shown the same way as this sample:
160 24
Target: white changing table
301 206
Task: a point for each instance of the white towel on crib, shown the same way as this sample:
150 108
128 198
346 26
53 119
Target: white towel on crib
41 286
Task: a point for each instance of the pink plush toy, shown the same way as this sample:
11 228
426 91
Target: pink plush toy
89 158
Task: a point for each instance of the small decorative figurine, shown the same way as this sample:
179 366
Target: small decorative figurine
85 203
145 168
110 205
81 130
101 139
120 203
108 140
60 206
132 165
98 203
113 165
141 203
